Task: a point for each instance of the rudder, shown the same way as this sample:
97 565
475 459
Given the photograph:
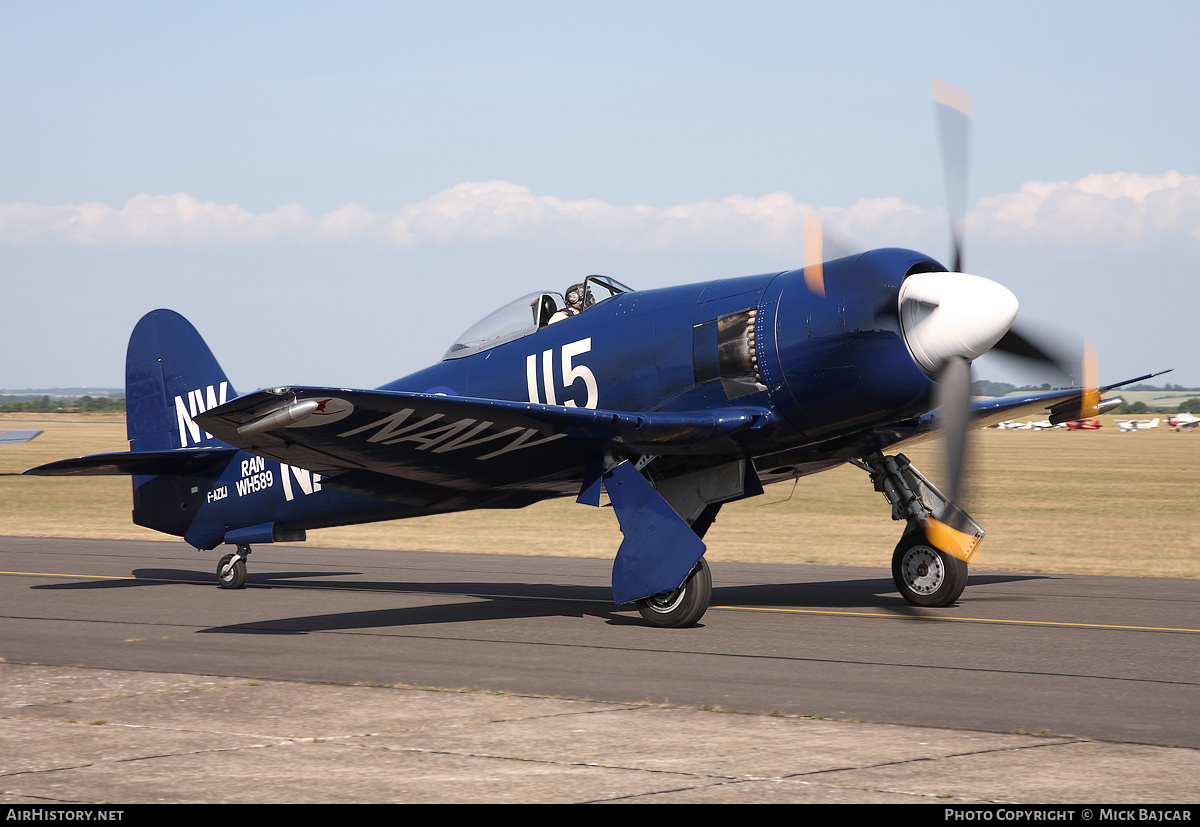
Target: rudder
170 376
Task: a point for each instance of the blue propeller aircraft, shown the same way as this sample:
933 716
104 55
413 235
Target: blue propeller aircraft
674 401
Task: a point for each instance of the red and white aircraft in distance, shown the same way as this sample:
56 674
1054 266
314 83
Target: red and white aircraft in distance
1184 421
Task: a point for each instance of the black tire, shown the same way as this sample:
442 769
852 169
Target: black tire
926 576
683 606
235 577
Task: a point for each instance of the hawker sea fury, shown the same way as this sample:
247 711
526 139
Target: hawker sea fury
671 401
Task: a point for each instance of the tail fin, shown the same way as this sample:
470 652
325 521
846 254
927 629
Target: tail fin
170 376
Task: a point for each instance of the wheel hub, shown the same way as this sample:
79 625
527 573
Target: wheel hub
923 570
665 602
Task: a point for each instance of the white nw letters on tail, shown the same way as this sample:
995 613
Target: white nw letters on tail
199 401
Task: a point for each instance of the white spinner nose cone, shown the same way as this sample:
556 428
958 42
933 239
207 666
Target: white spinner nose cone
944 315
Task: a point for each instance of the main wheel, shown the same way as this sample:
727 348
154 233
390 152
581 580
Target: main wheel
231 572
924 575
683 606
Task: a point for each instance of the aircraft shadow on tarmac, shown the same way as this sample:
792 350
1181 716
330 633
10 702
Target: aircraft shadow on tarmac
498 600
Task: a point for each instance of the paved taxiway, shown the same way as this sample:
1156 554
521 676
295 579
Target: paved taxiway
1098 673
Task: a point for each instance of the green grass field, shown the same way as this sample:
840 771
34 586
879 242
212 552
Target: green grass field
1096 502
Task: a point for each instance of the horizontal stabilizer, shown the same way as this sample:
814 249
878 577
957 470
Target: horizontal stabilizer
119 463
11 437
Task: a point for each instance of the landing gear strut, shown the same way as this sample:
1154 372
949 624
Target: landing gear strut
231 571
924 573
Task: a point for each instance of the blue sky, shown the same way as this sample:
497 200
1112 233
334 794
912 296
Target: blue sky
332 194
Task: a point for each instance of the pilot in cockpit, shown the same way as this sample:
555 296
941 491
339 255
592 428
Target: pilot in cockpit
578 299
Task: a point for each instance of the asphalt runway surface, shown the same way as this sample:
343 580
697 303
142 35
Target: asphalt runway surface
1095 676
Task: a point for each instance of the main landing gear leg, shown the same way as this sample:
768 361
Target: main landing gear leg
687 604
683 606
929 564
231 571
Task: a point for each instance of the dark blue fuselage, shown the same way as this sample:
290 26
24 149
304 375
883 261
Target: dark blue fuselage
824 369
826 364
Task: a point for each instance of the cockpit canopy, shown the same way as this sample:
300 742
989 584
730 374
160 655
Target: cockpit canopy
526 315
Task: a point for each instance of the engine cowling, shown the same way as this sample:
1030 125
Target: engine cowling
840 362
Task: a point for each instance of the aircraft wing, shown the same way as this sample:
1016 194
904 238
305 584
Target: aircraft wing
356 437
13 437
1063 405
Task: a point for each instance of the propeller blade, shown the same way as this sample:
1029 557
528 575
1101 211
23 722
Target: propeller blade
954 121
953 396
950 529
1091 383
987 316
1016 343
814 270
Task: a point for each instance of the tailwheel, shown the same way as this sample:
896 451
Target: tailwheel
683 606
924 575
231 571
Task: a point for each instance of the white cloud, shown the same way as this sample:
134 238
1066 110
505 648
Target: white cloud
1122 210
148 220
1117 210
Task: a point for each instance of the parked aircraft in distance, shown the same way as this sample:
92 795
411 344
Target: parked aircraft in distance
1137 424
1184 421
1084 425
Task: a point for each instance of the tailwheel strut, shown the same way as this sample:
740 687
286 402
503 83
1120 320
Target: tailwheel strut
231 571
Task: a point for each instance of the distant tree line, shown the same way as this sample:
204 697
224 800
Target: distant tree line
46 404
1187 406
1174 388
983 387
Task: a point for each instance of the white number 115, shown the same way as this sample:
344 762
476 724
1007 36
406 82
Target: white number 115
570 373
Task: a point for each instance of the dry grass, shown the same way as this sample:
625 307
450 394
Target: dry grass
1050 500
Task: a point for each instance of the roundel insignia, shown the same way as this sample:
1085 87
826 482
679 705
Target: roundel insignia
329 409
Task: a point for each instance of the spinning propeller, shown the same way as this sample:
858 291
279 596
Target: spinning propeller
950 319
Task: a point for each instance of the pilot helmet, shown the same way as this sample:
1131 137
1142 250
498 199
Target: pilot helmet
575 296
